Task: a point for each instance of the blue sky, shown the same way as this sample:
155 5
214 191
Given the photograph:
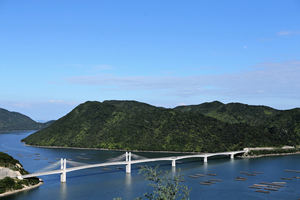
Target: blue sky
57 54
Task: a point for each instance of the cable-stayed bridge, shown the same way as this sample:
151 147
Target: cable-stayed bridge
128 157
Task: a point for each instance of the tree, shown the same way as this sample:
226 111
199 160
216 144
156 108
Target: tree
166 187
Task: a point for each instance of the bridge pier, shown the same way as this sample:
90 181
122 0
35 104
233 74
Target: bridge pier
205 159
128 159
63 166
174 163
232 156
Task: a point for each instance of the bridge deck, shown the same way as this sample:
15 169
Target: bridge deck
172 158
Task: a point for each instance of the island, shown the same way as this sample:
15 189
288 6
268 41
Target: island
208 127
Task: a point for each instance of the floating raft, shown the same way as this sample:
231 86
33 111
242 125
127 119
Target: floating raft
243 172
240 178
279 182
265 183
263 191
260 185
217 180
200 175
288 170
296 176
274 186
193 176
257 172
286 178
207 183
202 183
272 189
106 169
255 187
210 174
249 174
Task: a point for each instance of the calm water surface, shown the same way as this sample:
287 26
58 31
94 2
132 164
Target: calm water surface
99 184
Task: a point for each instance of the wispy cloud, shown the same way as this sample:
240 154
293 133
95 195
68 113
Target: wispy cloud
282 33
269 78
102 67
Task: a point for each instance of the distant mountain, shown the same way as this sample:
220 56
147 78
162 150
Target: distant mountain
13 121
208 127
233 112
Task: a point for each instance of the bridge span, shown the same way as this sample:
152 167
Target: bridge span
128 162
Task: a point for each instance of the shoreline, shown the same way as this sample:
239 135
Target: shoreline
23 189
264 155
59 147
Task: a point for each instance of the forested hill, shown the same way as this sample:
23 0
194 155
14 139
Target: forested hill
8 184
234 112
13 121
138 126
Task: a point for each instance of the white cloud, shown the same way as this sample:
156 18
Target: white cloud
56 101
288 33
269 78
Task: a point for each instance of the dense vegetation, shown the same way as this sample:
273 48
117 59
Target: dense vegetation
209 127
13 121
233 113
273 152
8 183
167 187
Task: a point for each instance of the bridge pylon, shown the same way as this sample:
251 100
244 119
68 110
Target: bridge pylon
128 159
63 166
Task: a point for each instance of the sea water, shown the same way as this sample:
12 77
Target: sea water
97 183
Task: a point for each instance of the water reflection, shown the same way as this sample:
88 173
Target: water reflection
63 191
173 170
128 180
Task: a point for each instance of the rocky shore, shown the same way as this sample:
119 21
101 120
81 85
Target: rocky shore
23 189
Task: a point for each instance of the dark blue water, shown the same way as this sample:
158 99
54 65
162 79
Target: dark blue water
99 184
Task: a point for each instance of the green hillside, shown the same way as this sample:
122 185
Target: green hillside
10 184
138 126
234 112
13 121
